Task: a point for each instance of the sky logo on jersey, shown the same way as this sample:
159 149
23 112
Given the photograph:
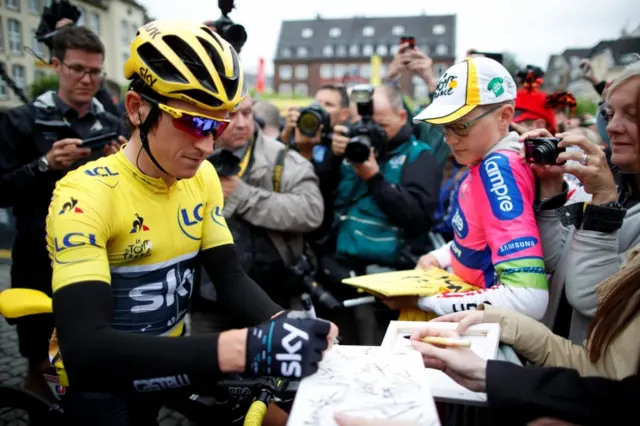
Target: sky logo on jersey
189 218
501 187
459 223
70 206
138 225
516 245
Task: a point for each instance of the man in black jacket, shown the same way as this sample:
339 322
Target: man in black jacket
40 142
382 207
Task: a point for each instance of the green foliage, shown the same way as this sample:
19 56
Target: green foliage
43 85
586 106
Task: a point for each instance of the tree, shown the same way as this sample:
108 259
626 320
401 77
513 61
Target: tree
43 85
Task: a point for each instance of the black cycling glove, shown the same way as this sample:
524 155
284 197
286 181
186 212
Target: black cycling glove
286 346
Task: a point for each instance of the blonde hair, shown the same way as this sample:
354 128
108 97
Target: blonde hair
629 72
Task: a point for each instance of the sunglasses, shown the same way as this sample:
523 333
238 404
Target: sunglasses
463 129
194 124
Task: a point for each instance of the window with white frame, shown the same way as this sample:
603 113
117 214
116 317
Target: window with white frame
13 4
368 31
339 70
326 71
301 89
285 72
439 29
397 30
15 36
341 51
284 89
302 52
82 19
382 50
307 33
367 50
18 74
302 72
37 47
94 22
394 49
4 90
1 36
354 50
285 52
335 32
124 32
327 51
442 49
34 6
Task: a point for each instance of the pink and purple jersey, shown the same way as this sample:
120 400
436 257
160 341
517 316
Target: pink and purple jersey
496 244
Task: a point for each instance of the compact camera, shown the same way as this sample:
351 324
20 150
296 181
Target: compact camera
542 150
365 134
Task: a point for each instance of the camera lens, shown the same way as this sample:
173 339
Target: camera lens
358 148
545 153
308 123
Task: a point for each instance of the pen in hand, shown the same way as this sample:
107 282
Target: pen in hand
310 311
444 342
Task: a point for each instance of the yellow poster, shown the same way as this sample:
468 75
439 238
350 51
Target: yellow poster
410 283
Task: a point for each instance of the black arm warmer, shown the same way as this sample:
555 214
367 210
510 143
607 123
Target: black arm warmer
238 293
97 357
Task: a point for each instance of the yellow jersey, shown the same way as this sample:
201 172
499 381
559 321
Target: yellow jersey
109 222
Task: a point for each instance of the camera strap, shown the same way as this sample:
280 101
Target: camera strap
278 168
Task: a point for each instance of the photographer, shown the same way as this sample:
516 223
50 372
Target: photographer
312 134
386 187
40 143
267 222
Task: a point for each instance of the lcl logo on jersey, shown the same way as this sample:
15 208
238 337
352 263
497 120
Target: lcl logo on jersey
189 220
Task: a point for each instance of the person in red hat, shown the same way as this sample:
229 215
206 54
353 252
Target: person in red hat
564 106
532 111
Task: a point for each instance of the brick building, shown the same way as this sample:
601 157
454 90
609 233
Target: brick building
314 52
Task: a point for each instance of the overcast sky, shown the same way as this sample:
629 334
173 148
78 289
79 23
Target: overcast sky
532 29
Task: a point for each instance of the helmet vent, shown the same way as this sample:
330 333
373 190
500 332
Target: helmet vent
190 58
159 65
202 97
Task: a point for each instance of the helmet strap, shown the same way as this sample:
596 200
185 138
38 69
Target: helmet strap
144 127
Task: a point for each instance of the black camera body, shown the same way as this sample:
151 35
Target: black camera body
542 150
233 33
225 162
312 119
302 272
365 134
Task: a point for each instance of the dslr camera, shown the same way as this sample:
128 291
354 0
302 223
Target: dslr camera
365 134
233 33
225 162
302 272
542 150
311 119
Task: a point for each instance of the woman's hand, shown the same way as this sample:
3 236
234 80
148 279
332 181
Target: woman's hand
461 364
590 166
551 177
465 319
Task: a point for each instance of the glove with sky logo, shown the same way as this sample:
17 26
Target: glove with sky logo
289 345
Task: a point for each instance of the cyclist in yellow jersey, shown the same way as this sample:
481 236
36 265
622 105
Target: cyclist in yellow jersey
125 233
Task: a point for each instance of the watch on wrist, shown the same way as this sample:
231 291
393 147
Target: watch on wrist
43 164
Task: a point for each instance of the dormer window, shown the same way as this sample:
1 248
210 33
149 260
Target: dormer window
368 31
307 33
335 32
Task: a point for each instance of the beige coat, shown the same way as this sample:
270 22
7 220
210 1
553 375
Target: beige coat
539 345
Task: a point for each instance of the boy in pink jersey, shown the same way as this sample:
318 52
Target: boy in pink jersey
496 244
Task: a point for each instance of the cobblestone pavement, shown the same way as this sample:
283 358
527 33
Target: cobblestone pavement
13 366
